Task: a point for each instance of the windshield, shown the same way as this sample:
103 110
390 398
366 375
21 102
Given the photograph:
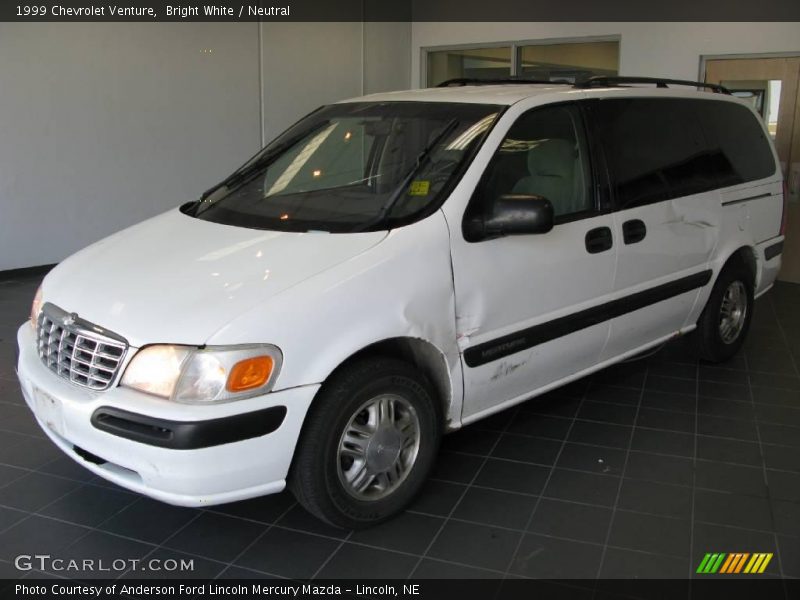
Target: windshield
352 167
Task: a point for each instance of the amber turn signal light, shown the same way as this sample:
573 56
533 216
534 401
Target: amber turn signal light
250 373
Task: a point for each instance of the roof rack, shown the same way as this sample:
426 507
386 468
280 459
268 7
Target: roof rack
604 81
462 81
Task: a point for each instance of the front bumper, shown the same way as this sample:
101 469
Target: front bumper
199 476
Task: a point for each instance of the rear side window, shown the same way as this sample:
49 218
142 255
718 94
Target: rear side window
663 148
742 152
655 149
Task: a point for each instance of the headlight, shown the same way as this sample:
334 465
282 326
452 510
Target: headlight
36 308
203 375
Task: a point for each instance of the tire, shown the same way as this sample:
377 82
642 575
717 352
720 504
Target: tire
378 402
719 334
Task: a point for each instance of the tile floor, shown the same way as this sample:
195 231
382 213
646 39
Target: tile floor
637 471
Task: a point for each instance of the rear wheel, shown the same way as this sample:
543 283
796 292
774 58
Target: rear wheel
725 320
368 444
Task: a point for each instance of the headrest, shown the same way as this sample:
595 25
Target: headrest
552 158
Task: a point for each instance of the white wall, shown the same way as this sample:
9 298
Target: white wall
105 124
306 65
647 49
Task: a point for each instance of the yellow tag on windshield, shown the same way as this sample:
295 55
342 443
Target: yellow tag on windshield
419 188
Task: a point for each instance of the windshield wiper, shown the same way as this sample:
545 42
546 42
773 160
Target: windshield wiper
245 173
400 190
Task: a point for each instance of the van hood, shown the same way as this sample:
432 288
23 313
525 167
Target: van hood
176 279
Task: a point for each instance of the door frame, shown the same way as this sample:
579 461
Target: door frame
701 74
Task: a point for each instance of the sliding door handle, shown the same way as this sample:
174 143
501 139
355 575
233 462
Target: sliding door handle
633 231
598 240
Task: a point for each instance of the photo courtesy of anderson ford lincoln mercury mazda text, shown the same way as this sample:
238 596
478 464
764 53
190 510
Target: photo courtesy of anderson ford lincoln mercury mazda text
394 267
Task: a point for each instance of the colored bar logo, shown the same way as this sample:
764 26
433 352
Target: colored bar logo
734 562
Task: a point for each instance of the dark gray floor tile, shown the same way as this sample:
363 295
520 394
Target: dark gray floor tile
471 440
475 545
89 505
299 518
727 428
732 509
437 498
582 487
728 450
784 458
527 449
529 423
35 490
656 498
595 459
350 560
149 520
671 385
407 532
571 520
430 568
265 509
490 507
728 409
18 450
456 466
650 533
771 395
288 553
725 391
663 442
664 419
38 535
736 479
551 558
627 564
656 467
513 476
215 536
600 434
614 394
786 516
10 516
786 435
97 545
790 555
784 486
672 402
605 412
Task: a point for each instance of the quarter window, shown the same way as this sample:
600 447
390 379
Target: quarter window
655 149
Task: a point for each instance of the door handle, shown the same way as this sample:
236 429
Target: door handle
598 240
633 231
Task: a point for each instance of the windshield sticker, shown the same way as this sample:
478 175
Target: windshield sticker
419 188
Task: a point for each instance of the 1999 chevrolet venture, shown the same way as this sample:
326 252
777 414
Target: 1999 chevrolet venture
394 267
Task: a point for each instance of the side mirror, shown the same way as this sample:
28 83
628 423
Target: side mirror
512 214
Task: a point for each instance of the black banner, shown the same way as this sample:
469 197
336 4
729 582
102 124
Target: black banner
399 10
734 587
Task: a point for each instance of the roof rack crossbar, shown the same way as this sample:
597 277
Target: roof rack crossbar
606 81
462 81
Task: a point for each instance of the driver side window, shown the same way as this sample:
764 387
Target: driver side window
544 154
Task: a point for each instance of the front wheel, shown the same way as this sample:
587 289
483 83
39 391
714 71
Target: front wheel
725 320
369 442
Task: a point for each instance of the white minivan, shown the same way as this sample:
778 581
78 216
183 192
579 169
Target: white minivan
394 267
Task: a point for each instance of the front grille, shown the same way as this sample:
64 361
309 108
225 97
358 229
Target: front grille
77 350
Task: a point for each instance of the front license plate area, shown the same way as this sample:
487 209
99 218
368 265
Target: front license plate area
48 409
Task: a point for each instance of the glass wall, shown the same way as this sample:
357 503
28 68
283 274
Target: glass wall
477 63
567 61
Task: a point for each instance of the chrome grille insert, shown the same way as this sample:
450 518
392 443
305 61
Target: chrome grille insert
77 350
